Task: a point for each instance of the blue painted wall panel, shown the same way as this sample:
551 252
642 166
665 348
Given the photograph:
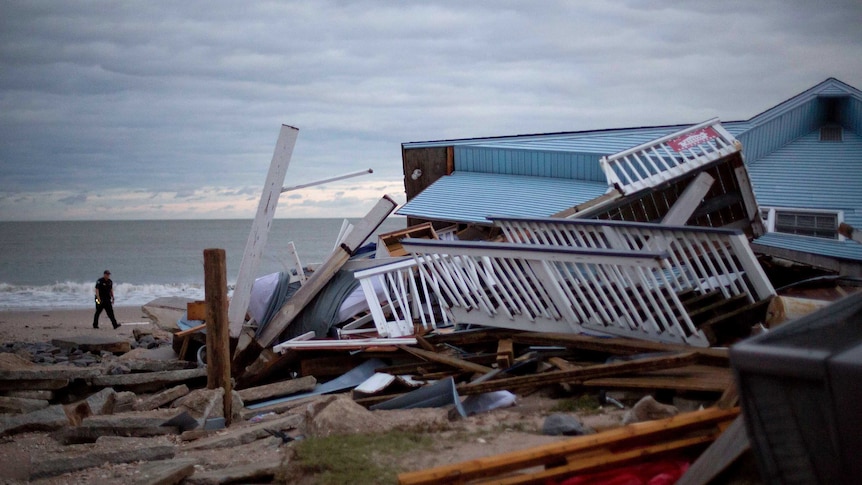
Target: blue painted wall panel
533 163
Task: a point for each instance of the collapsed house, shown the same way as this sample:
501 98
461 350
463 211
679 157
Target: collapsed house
613 260
803 157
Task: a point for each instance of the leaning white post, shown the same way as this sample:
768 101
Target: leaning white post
257 237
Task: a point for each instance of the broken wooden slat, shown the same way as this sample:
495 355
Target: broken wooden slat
326 271
579 375
617 346
608 460
277 389
690 378
618 439
448 360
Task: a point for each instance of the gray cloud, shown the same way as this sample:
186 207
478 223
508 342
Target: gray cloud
169 97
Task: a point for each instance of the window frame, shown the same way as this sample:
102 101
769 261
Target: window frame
769 215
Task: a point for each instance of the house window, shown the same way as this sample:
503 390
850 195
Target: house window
804 223
831 133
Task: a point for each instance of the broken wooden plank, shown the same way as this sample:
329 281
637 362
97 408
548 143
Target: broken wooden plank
698 378
448 360
326 271
626 441
579 375
277 389
616 346
259 233
319 279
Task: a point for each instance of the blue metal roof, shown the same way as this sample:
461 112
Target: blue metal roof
471 196
847 250
788 165
809 173
596 142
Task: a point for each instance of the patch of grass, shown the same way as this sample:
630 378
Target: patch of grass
583 404
356 459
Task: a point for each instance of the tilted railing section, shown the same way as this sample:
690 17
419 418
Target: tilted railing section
556 289
701 259
397 287
667 158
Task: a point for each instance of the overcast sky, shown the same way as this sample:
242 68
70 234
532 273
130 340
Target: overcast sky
171 110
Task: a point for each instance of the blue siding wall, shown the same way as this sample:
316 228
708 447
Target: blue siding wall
535 163
851 115
767 137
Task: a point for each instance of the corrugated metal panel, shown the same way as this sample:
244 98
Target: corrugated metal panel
471 196
848 250
810 173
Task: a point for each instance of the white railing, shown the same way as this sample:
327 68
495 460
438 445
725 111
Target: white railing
397 288
666 158
702 259
557 289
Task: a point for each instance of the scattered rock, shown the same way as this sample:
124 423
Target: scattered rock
21 405
648 409
161 398
560 424
341 415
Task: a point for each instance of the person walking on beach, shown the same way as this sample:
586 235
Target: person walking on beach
105 299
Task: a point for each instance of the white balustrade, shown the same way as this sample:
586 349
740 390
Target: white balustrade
666 158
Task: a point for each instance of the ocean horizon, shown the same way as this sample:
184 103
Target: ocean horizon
55 264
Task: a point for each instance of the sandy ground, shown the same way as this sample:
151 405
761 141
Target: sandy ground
44 325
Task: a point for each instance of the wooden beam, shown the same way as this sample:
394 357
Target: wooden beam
320 278
505 353
326 271
579 375
448 360
615 346
218 328
625 439
256 243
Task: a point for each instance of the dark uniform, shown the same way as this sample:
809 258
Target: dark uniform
105 299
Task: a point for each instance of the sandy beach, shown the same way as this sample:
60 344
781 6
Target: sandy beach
44 325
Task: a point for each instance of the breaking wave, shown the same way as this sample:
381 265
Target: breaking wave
74 295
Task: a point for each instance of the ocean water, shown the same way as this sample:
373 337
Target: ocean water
45 265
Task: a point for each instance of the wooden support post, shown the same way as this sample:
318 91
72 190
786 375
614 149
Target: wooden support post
218 331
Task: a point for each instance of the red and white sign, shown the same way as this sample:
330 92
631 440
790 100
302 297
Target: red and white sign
693 139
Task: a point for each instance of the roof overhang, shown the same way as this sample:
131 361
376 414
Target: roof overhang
469 197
